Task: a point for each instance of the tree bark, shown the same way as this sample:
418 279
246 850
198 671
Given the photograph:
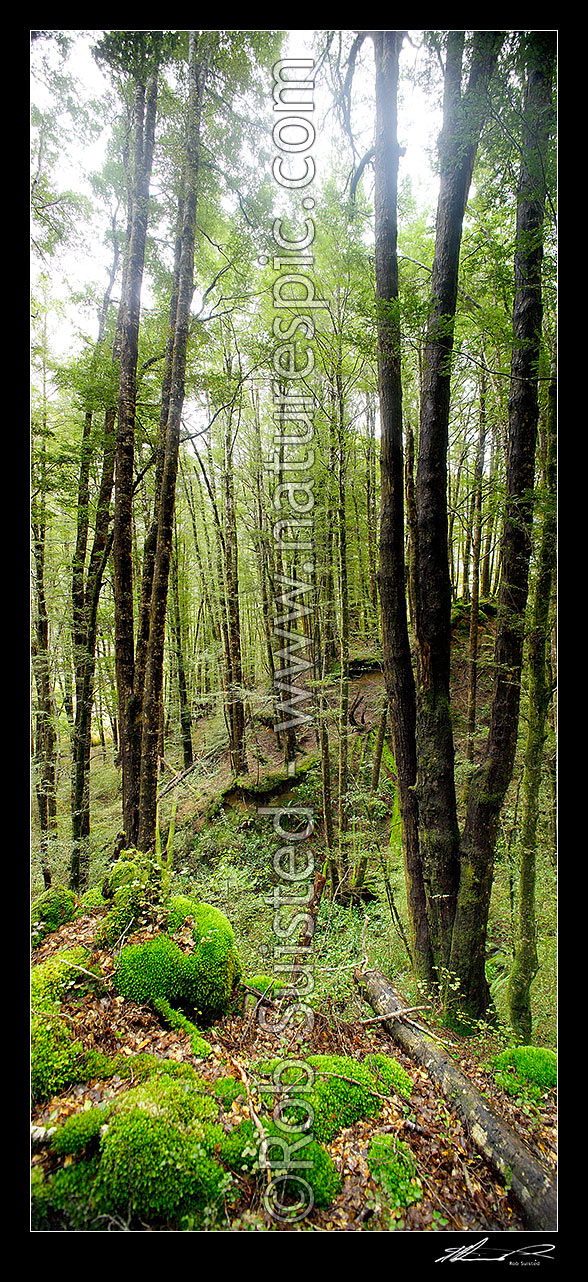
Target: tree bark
153 689
398 671
526 962
144 113
463 117
490 782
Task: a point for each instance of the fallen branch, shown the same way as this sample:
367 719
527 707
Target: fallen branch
531 1184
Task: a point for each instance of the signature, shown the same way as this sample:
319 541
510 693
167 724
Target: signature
479 1251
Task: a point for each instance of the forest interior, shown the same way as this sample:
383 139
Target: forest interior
293 633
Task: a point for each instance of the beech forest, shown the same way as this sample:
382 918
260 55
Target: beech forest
293 675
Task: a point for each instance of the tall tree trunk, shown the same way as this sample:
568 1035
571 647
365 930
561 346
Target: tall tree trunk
85 599
475 593
45 736
398 672
185 717
526 962
463 116
144 113
153 690
490 782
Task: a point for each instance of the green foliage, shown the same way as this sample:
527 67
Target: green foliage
526 1070
393 1167
50 910
79 1131
200 981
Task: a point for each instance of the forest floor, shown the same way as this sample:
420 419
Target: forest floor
223 854
459 1190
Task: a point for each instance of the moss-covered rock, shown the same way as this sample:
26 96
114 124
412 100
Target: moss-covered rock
51 979
240 1151
92 899
155 1155
388 1071
79 1132
311 1165
50 910
56 1057
530 1069
200 981
68 1199
344 1091
180 908
394 1168
128 910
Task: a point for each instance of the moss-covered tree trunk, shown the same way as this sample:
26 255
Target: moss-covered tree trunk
526 962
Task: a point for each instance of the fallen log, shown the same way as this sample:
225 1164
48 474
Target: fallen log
531 1184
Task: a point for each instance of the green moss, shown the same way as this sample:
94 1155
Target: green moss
387 1070
263 983
50 979
393 1167
176 1020
79 1131
126 872
200 981
228 1089
528 1068
93 899
69 1198
179 909
128 908
316 1167
50 910
344 1091
239 1150
55 1055
155 1156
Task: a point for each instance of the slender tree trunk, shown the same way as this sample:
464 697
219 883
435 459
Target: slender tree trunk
391 578
45 737
475 593
144 112
463 117
153 690
526 962
490 782
185 717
